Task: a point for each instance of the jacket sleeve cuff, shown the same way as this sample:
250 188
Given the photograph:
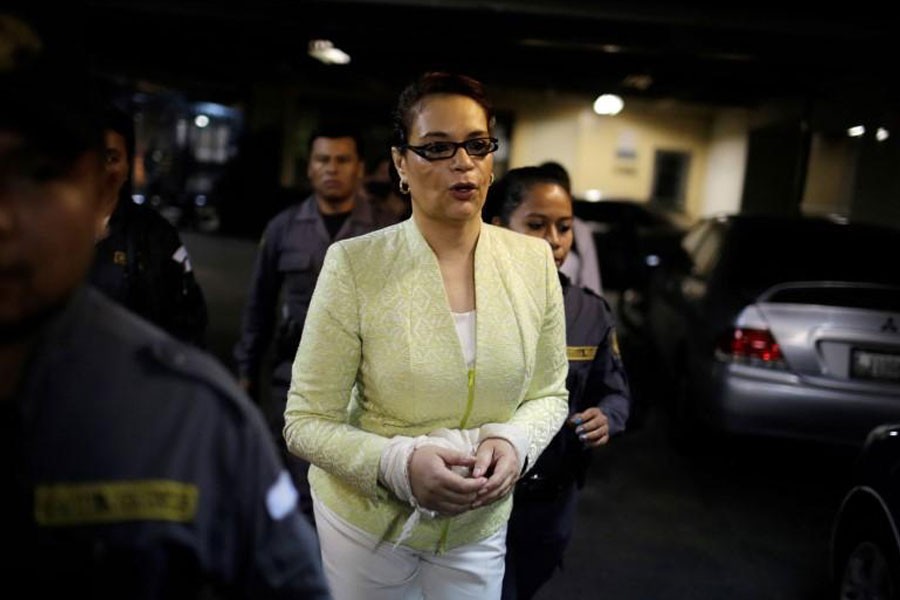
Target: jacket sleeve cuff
393 468
514 434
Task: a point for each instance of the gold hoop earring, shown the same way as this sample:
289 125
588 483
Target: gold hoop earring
403 186
491 182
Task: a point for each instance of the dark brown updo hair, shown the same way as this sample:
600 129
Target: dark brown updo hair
435 82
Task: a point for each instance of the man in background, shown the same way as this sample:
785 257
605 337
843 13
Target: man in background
287 267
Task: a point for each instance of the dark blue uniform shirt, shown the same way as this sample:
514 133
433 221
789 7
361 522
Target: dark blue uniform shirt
596 377
143 265
290 257
140 470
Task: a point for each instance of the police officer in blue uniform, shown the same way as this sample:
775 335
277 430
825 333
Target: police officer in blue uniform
135 467
140 260
533 201
287 266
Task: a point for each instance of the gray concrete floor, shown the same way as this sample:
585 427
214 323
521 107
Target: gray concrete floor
748 520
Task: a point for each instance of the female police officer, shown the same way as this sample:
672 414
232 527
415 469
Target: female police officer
533 201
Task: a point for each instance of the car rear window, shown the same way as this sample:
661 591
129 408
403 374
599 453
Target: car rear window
887 299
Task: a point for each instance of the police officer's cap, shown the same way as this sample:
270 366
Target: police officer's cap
46 92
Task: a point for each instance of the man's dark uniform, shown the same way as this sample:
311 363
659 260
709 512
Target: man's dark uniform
287 267
143 265
140 470
544 504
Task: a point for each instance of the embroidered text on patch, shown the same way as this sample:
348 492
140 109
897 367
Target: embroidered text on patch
111 502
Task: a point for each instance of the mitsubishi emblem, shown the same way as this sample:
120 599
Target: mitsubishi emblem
889 325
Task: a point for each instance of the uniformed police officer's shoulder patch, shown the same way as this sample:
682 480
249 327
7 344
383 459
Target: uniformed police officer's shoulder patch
614 343
281 497
182 257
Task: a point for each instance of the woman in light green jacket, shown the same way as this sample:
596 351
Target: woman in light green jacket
431 371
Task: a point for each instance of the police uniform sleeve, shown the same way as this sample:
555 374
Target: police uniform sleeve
189 311
258 320
282 553
607 383
180 302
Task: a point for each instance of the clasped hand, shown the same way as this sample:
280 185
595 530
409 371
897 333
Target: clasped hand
452 482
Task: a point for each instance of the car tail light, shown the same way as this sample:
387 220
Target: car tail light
751 346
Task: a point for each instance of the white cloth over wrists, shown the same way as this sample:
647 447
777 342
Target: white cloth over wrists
393 469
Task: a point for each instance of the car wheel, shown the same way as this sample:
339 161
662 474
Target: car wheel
866 574
870 567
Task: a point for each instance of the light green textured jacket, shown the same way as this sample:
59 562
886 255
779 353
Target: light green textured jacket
380 320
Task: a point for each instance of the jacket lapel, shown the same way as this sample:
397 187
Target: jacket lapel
499 334
434 345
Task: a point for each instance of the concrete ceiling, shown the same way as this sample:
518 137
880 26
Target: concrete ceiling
724 54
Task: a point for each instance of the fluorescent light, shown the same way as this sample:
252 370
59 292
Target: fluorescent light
593 195
608 104
856 131
325 51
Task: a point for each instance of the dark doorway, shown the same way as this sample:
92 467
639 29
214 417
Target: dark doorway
776 169
670 170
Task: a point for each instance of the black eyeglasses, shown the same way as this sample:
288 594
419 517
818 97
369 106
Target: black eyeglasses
476 148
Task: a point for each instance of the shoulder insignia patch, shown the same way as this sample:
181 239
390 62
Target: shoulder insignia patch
181 256
614 343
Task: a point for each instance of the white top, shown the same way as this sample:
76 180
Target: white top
465 329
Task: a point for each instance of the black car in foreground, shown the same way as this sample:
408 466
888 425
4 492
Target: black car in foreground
865 543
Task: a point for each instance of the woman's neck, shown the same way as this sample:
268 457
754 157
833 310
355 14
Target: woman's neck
454 247
449 241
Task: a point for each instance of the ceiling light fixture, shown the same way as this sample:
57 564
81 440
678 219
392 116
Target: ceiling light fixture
882 134
325 51
593 195
856 131
608 104
638 81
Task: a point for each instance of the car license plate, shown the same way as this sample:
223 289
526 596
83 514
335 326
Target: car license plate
883 366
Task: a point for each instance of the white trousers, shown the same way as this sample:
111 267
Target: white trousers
357 567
